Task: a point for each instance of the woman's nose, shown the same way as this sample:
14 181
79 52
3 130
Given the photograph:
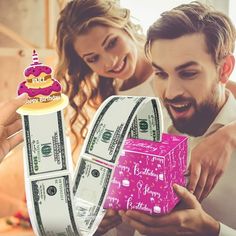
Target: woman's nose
110 62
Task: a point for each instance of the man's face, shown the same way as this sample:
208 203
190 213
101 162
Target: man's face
187 80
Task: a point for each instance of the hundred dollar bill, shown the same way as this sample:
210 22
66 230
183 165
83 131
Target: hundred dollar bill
53 206
89 190
45 143
147 124
111 126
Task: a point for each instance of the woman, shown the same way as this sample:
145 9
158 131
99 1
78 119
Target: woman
89 79
101 54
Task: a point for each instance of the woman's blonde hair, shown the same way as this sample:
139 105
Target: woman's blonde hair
81 84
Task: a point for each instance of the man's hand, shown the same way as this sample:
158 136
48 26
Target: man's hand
10 124
209 160
110 220
192 221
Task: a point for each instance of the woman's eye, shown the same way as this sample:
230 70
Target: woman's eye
112 43
161 75
93 59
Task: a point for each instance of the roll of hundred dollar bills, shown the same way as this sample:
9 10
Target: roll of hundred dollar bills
47 156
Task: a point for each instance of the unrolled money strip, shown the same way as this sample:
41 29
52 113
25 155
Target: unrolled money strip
46 160
117 118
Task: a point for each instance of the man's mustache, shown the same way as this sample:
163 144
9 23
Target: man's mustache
179 99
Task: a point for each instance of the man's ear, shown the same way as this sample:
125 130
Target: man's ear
227 68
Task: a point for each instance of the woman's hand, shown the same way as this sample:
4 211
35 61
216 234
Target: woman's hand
10 124
209 160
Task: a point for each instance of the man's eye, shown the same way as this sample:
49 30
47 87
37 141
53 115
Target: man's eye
92 59
188 74
161 74
112 43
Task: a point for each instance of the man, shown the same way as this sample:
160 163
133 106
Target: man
191 50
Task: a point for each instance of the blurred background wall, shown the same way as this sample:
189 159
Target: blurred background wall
25 25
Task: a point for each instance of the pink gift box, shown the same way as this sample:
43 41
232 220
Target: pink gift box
145 174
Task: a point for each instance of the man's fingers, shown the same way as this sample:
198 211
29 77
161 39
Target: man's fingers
142 217
185 195
103 230
147 229
201 183
107 221
216 179
111 217
110 220
10 108
110 212
152 221
108 224
195 172
208 186
135 224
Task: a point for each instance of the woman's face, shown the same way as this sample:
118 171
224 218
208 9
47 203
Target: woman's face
108 51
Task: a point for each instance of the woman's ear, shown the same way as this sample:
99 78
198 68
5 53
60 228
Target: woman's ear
227 68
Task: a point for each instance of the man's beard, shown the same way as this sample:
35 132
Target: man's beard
205 113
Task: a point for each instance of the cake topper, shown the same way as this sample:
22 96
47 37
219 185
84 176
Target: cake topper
45 93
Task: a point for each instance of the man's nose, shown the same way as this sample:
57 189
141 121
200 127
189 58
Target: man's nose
110 61
174 88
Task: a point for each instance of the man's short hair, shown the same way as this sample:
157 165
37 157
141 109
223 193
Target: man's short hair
219 31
